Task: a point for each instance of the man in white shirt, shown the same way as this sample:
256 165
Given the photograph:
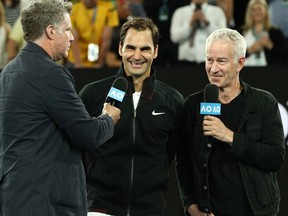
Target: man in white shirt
191 25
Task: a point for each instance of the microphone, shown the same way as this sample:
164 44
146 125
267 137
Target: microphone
210 105
117 92
211 93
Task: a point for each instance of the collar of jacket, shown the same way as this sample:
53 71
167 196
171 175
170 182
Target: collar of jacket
148 85
251 104
35 48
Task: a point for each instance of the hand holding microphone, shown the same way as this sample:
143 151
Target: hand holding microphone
198 19
112 111
114 98
213 126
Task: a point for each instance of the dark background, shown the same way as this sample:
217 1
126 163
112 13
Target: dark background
188 79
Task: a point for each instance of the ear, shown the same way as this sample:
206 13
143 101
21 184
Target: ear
120 49
241 63
156 52
50 32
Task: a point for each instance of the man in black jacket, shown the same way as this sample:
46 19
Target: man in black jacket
228 164
43 122
129 175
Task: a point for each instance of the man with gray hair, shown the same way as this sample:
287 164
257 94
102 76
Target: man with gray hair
228 163
43 122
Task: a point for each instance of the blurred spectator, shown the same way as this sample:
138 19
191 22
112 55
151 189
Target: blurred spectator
190 27
4 32
92 27
126 10
137 8
227 7
13 9
265 43
16 40
279 12
161 11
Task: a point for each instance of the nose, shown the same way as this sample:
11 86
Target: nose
71 37
214 67
137 54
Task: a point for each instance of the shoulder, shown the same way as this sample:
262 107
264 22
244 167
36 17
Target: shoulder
195 97
263 94
96 87
7 30
168 90
263 98
192 103
78 9
183 9
214 7
57 74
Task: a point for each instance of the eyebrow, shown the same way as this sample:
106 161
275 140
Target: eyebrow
222 58
142 48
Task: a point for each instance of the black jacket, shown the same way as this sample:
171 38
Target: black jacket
130 173
258 146
42 124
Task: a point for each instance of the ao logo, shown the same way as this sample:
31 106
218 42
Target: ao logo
210 108
116 94
284 117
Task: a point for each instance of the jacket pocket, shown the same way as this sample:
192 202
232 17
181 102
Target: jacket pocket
265 188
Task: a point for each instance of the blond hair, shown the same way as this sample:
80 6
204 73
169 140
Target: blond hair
248 20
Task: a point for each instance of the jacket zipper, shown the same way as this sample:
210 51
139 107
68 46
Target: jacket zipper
132 163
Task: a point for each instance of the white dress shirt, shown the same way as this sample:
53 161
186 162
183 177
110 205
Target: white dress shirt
180 31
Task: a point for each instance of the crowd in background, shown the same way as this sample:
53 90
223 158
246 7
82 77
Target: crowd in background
184 26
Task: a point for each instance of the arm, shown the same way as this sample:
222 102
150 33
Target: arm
175 134
112 20
180 29
275 45
67 111
227 6
184 156
15 41
112 59
260 144
104 46
7 31
217 20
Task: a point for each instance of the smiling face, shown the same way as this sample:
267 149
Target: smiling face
138 53
258 12
221 66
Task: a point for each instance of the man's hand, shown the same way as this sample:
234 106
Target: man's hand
112 111
213 126
193 211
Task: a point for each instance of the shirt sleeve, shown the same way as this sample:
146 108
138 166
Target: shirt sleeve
67 110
